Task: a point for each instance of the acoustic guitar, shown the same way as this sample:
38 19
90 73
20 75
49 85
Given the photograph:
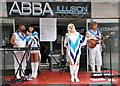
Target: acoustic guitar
92 42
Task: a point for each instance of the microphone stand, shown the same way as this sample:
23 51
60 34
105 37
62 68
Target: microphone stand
110 59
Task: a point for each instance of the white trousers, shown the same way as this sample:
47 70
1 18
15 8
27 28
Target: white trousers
19 55
95 57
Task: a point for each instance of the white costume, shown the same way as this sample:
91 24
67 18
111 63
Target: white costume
74 44
20 42
33 41
95 57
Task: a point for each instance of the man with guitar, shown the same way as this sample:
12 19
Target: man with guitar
95 48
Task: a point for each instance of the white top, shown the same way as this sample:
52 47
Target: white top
35 42
19 39
92 33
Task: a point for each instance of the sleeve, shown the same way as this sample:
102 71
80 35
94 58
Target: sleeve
28 38
65 41
15 33
99 31
88 32
35 34
83 40
99 34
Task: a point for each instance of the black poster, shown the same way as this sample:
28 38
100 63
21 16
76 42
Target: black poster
49 9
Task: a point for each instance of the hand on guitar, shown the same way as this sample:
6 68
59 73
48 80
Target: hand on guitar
94 38
92 42
106 37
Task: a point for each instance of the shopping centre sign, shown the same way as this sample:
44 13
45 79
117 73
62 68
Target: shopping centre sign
49 9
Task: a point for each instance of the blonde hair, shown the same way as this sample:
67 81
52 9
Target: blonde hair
92 24
69 25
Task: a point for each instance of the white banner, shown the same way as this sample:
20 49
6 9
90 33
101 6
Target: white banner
48 29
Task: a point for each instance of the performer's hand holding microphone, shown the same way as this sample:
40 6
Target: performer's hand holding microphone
30 34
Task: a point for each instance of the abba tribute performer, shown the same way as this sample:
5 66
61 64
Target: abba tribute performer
33 41
73 42
18 39
95 52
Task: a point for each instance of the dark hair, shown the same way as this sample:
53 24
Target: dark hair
32 27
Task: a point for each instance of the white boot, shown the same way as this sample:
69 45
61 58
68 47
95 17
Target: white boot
76 73
33 68
93 69
99 69
22 72
17 76
36 64
72 73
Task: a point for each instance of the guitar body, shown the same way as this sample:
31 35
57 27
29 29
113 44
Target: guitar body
92 43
